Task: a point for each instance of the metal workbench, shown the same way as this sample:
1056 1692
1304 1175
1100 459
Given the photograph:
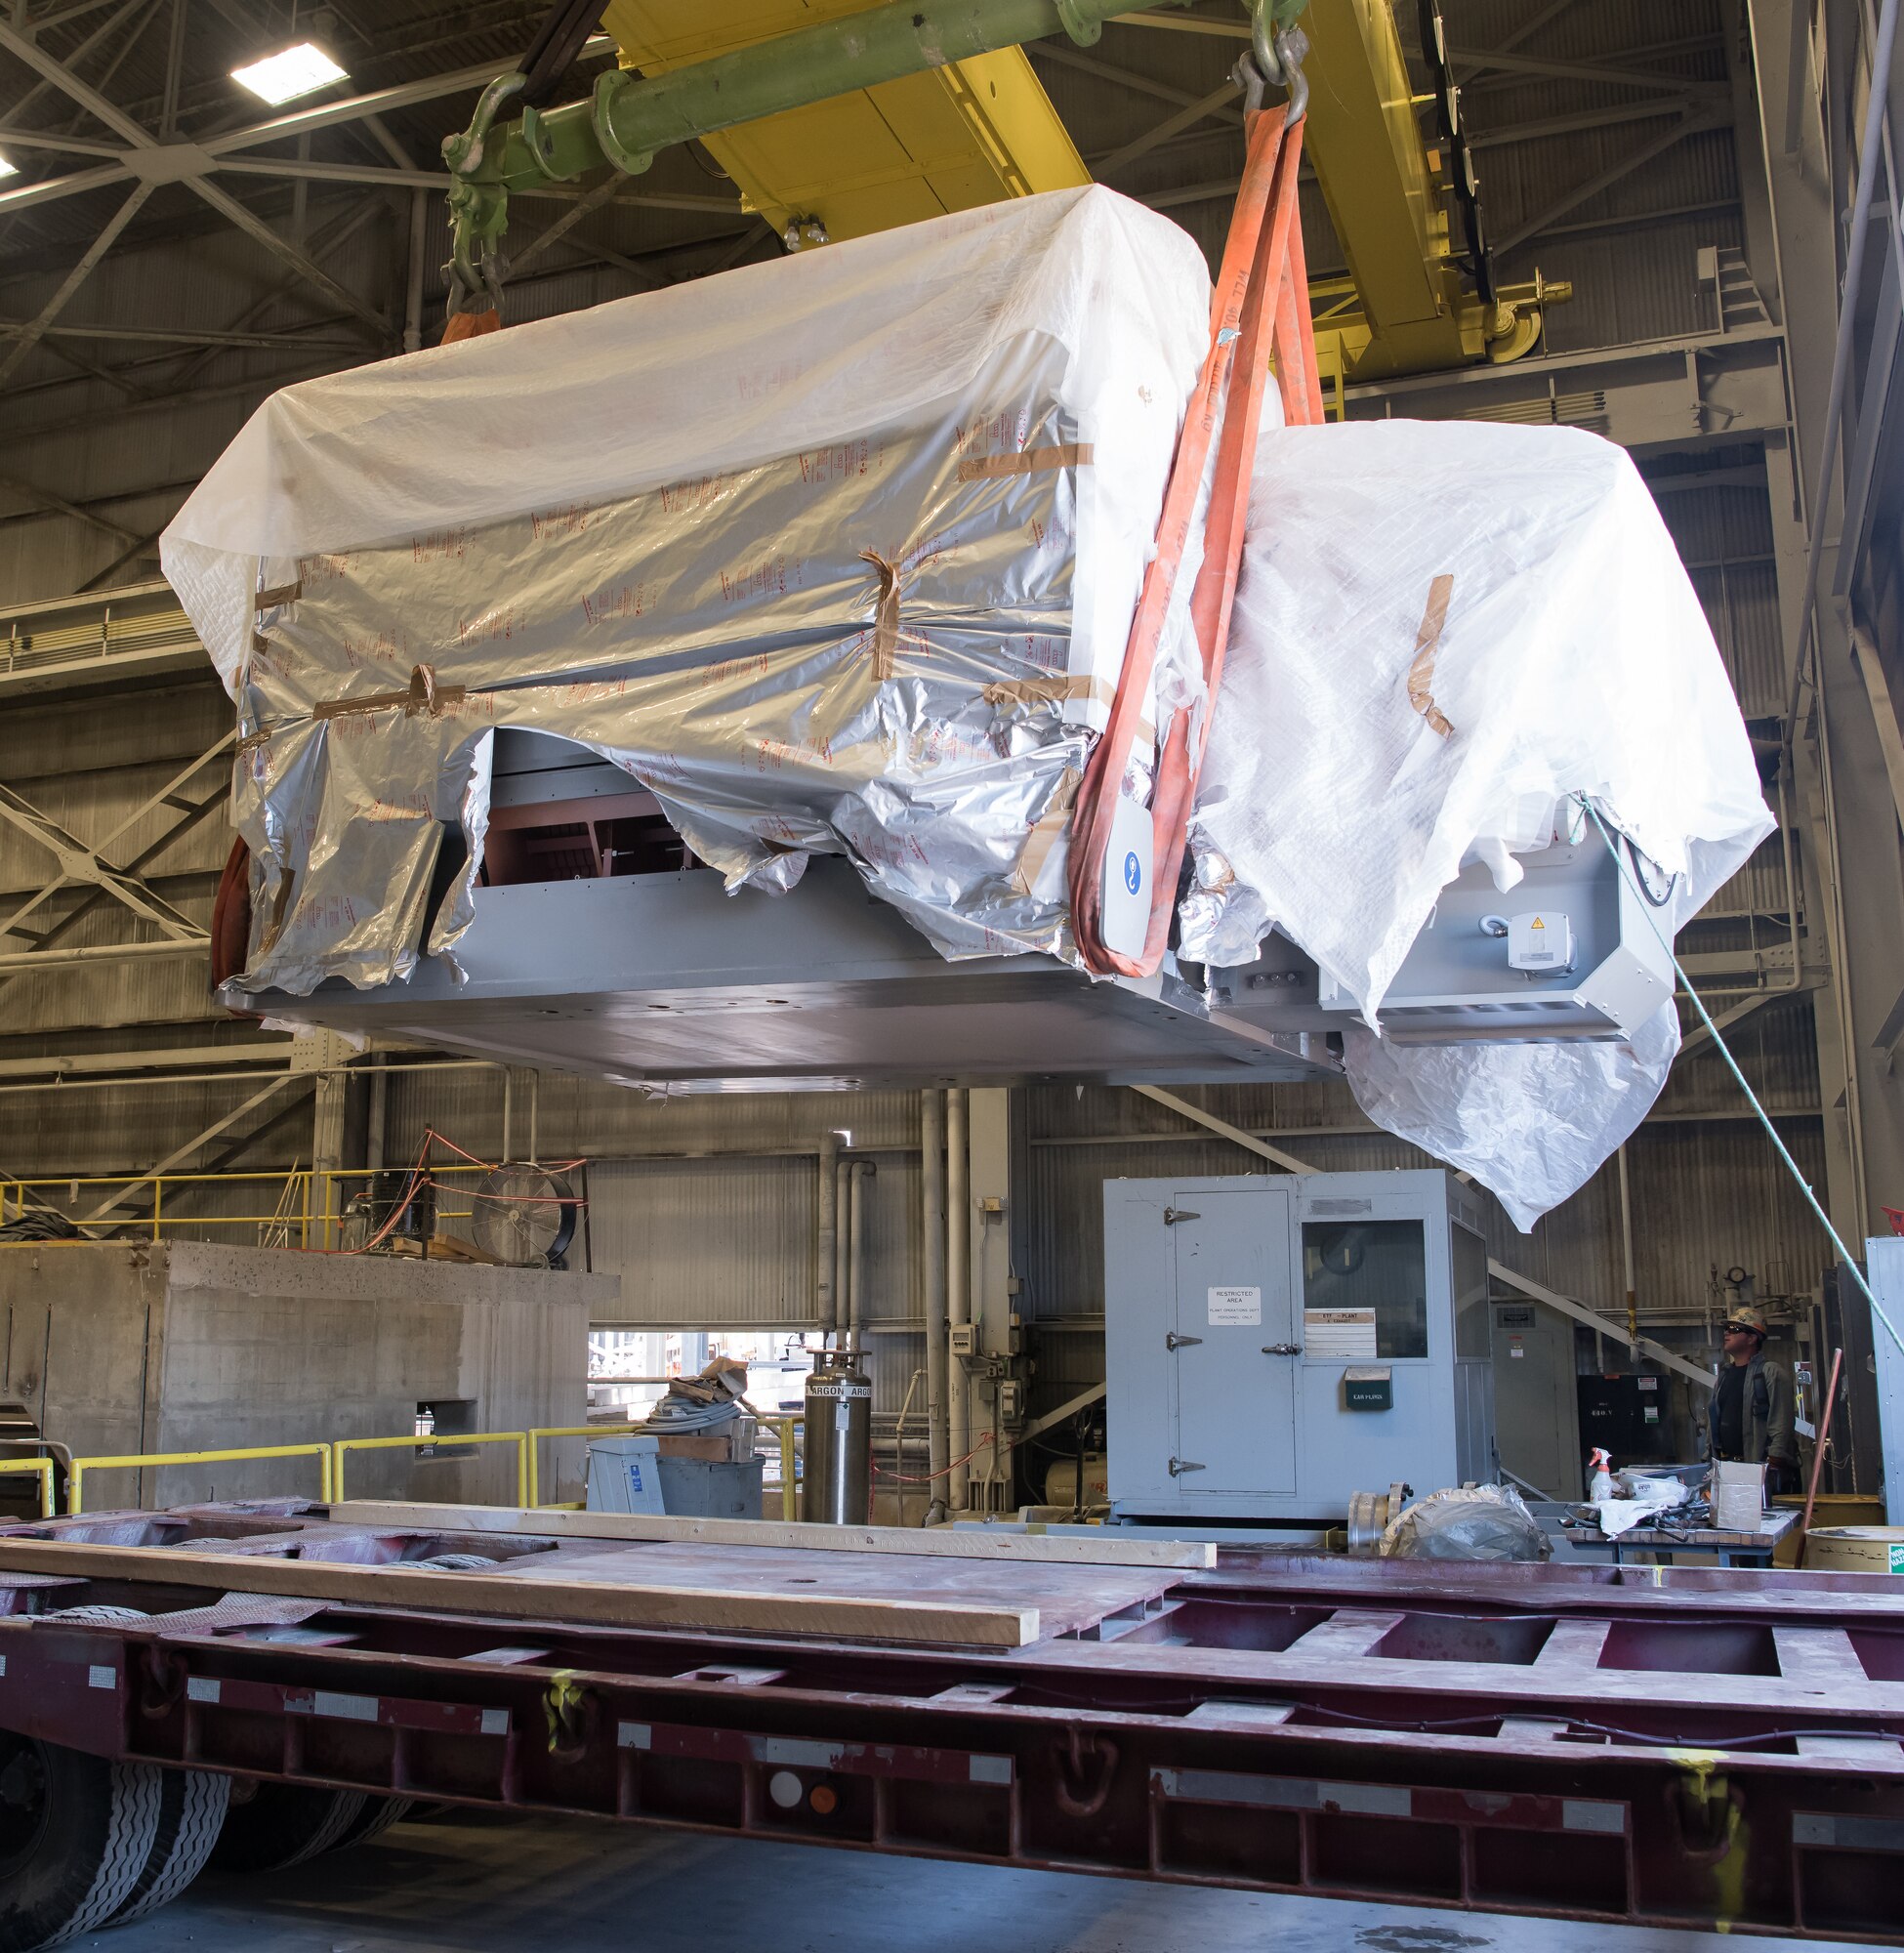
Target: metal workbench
1727 1547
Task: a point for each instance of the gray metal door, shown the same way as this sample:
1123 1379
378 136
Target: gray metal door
1536 1399
1234 1399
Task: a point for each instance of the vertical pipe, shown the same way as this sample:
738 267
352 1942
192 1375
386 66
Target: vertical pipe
377 1126
413 290
827 1250
932 1143
863 1172
327 1147
958 1290
1626 1249
842 1247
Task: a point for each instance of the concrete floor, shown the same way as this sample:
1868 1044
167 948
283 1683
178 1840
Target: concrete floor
501 1885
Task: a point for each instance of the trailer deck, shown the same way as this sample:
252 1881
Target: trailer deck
1676 1747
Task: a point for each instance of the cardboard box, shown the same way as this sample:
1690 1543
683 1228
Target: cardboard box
709 1450
1738 1497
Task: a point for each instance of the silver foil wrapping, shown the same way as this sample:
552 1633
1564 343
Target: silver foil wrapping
888 631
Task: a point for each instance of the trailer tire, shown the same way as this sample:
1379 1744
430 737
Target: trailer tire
75 1833
278 1825
191 1813
376 1818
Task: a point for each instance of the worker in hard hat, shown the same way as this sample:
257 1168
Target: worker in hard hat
1752 1407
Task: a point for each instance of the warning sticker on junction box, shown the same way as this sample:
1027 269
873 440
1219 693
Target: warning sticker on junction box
1235 1308
1346 1333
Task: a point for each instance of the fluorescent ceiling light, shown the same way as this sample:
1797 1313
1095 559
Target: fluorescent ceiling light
8 169
289 73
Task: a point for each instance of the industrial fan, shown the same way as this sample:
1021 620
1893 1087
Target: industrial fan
525 1215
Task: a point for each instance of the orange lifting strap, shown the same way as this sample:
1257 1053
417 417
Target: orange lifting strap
1261 302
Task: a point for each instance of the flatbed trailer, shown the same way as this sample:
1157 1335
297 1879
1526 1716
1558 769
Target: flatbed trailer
1640 1745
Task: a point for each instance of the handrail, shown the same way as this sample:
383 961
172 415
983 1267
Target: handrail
44 1467
783 1426
537 1432
310 1212
128 1461
330 1457
447 1438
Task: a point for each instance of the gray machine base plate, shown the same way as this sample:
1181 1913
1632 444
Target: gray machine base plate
666 980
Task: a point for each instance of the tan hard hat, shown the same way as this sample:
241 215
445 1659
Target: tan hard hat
1747 1318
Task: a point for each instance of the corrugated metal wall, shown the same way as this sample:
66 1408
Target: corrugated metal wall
705 1203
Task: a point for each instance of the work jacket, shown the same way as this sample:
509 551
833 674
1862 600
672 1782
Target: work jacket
1765 1418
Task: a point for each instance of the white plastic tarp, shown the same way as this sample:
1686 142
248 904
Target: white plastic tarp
1348 781
833 555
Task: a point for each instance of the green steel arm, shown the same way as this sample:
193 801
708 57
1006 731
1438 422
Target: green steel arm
630 117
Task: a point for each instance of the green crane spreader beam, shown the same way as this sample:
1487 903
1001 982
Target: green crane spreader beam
630 117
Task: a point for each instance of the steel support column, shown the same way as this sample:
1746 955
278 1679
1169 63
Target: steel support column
1855 858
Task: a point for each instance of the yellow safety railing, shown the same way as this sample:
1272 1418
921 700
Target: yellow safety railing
785 1429
789 1467
525 1453
44 1467
309 1208
542 1431
138 1459
330 1460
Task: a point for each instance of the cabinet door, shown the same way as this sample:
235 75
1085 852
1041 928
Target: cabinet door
1234 1401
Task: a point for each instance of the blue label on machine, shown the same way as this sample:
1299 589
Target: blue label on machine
1133 873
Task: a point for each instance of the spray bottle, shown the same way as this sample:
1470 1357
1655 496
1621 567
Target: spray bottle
1601 1466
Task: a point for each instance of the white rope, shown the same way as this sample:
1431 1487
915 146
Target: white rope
1724 1051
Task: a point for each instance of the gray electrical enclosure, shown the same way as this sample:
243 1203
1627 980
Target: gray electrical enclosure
1609 968
1275 1343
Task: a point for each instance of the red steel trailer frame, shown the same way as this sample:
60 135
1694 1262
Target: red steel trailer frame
1662 1746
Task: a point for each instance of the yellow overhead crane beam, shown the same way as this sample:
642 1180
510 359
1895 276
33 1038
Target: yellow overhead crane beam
984 129
1408 304
949 139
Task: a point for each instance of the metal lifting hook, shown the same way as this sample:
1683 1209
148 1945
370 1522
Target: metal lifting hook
477 212
1277 49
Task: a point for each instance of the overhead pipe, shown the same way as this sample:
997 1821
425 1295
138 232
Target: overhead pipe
932 1144
827 1248
88 955
958 1294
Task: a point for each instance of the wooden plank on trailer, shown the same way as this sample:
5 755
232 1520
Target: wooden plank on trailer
592 1603
1037 1549
1070 1599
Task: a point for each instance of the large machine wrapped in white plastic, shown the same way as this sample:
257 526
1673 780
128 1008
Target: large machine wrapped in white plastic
1443 635
835 554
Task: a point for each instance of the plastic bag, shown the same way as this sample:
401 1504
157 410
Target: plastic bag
1363 751
1468 1522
